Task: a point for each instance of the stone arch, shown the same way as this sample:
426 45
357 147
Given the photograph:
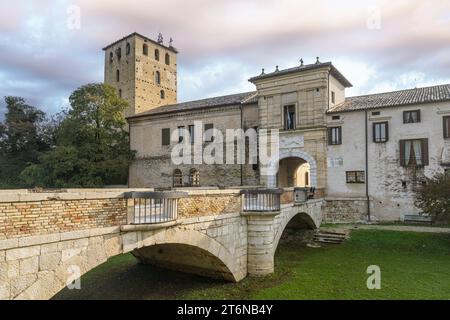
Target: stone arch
272 168
306 218
226 266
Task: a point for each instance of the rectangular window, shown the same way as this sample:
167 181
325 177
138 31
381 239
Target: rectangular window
191 134
414 153
376 113
380 132
181 134
446 127
165 136
208 132
289 117
412 116
333 97
335 135
355 176
335 117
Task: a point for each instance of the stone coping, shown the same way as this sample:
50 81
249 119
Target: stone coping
55 237
206 192
347 198
148 227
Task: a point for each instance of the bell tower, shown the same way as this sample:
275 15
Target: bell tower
143 71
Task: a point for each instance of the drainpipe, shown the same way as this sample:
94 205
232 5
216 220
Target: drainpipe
367 167
242 125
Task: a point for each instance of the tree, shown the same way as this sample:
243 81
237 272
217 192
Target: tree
21 140
92 145
433 196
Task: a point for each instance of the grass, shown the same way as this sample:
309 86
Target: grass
413 266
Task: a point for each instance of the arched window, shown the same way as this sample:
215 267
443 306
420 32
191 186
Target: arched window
119 53
117 75
145 49
167 59
194 178
177 178
128 50
156 54
157 77
111 57
162 94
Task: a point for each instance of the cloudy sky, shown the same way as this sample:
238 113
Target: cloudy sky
48 48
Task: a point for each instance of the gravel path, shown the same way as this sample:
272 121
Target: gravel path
396 228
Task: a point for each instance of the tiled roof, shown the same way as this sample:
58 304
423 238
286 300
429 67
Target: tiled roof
229 100
396 98
335 72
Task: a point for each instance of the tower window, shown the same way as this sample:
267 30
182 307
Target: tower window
145 49
128 49
156 54
111 57
119 53
162 94
158 77
167 59
117 75
289 117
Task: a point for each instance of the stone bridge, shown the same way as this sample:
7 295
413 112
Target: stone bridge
49 239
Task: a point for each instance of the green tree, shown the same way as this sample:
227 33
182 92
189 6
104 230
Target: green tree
92 145
21 140
433 197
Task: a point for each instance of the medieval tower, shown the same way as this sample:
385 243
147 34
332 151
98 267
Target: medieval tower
143 71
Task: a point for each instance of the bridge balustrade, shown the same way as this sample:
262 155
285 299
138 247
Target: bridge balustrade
261 200
153 207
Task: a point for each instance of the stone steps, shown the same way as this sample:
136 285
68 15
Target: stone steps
330 237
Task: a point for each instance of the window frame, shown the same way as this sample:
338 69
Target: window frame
167 59
286 108
411 111
330 136
117 75
157 54
194 178
177 178
145 49
446 126
162 94
165 139
191 131
127 48
157 77
206 127
424 148
181 135
356 177
374 130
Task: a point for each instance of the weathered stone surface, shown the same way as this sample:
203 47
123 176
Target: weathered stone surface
4 290
49 261
29 266
13 269
22 253
21 283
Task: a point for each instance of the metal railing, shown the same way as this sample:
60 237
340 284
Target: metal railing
152 207
303 194
261 200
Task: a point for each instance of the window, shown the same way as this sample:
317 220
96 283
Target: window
111 57
412 116
289 117
191 134
335 117
128 49
194 178
167 59
120 93
181 134
446 127
376 113
119 53
306 178
414 152
380 132
177 178
209 132
117 75
156 54
157 77
334 135
333 97
355 176
145 49
165 137
162 94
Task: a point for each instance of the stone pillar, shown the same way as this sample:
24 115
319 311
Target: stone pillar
260 238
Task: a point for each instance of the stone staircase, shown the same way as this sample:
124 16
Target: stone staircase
333 237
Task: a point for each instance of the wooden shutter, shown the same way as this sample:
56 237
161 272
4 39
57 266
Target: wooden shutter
339 129
402 153
374 125
387 130
165 137
418 115
425 156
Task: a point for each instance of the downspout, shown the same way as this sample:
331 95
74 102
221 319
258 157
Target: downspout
242 125
367 168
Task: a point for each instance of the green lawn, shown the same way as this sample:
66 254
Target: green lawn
413 266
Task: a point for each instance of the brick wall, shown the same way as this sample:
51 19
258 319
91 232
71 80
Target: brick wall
209 204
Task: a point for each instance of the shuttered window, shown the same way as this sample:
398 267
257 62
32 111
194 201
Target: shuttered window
334 135
165 136
380 132
414 153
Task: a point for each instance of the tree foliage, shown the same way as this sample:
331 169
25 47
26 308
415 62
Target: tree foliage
433 197
92 145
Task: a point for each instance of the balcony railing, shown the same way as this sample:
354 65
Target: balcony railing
261 200
153 207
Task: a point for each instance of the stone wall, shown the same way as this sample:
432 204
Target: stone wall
339 210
